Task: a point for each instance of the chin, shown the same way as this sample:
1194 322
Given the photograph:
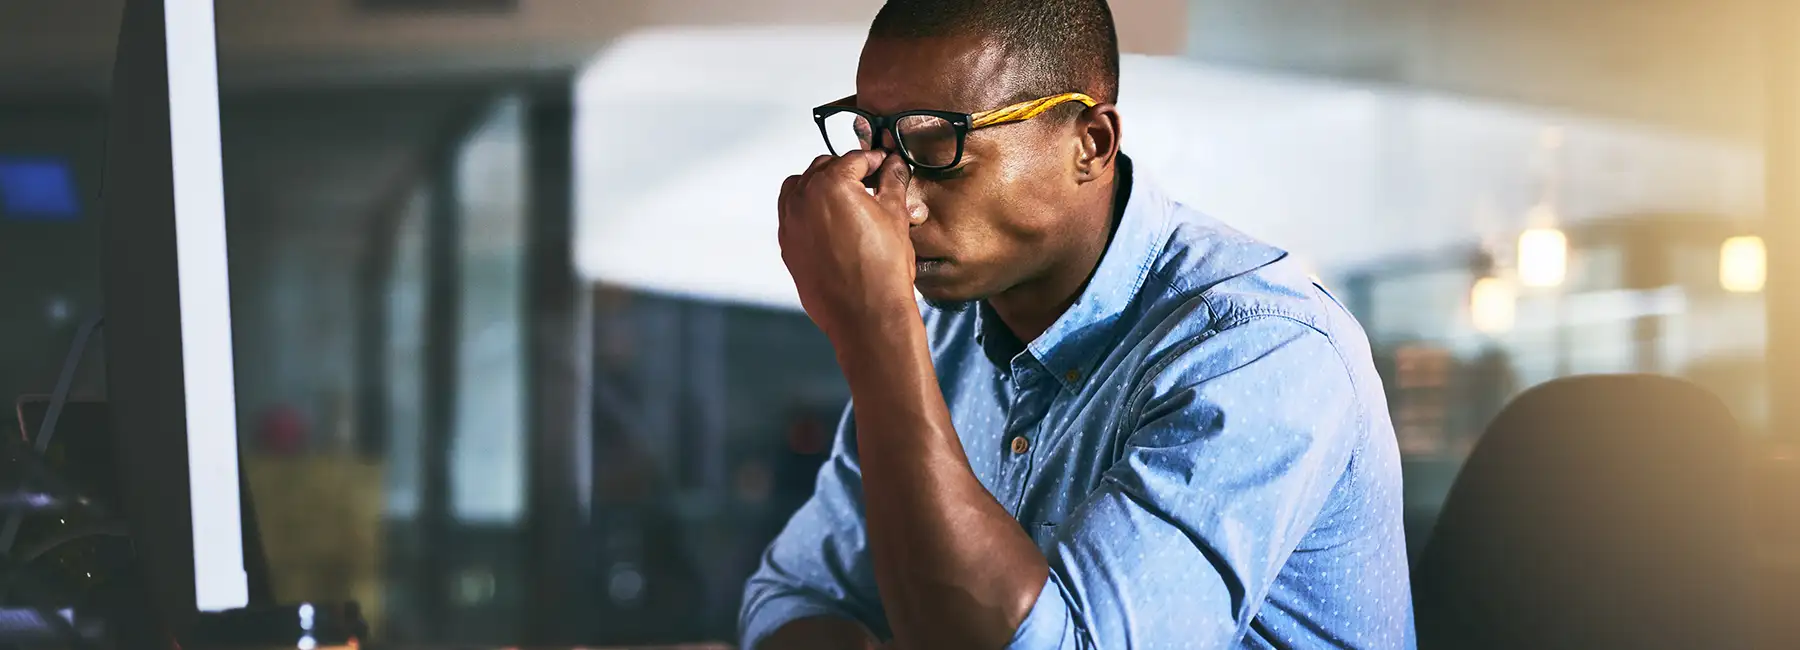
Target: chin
945 288
943 299
949 306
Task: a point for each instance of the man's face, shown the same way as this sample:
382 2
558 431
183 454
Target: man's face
994 221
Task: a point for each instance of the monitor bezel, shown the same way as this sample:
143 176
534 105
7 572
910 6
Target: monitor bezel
170 377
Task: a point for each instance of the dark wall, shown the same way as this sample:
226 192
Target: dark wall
49 270
305 174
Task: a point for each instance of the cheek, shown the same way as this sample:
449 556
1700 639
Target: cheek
954 206
990 228
1007 198
973 206
1029 201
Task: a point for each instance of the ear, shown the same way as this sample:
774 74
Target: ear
1098 147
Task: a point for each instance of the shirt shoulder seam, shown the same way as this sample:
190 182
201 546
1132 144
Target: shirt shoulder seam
1319 296
1141 394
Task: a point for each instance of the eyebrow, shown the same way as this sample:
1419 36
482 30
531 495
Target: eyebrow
850 101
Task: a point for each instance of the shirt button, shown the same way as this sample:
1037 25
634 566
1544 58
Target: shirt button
1074 376
1020 445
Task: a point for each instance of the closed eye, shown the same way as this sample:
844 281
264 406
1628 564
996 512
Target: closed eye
940 175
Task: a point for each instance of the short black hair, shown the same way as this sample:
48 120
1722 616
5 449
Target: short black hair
1069 45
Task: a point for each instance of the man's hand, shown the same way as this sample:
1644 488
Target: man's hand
850 253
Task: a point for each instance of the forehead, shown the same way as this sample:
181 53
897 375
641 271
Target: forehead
964 74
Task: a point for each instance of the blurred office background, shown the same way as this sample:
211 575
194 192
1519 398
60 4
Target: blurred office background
517 359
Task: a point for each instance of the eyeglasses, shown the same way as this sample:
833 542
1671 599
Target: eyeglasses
925 139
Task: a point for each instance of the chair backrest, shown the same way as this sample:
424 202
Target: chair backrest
1775 496
1596 512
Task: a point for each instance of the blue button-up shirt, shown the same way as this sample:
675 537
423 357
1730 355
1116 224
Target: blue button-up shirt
1200 446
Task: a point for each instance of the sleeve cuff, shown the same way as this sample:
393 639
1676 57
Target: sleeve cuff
771 614
1047 626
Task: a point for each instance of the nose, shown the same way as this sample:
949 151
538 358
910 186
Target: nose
916 210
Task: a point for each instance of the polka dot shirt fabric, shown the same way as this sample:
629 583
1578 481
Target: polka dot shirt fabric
1200 447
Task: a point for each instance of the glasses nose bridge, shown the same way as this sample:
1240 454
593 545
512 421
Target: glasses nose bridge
886 134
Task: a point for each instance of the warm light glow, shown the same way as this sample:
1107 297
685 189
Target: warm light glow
1492 305
1743 264
1543 257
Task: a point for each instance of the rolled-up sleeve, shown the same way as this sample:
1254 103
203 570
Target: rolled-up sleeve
1047 625
818 565
1239 442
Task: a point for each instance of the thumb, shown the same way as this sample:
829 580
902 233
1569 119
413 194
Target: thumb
891 182
857 165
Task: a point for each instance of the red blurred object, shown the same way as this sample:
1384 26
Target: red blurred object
807 436
282 430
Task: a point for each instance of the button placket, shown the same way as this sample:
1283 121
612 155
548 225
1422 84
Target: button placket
1029 407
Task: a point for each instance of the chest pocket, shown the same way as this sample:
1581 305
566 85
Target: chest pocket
1044 535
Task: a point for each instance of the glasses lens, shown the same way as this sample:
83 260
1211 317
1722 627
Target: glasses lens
930 141
846 132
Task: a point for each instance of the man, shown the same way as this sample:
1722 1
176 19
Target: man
1117 424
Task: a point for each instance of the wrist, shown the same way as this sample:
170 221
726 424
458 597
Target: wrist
893 357
878 330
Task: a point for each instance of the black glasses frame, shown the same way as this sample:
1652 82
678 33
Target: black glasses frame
890 125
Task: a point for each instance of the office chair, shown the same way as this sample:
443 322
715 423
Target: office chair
1596 512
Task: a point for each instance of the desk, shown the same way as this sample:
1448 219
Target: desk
691 646
696 646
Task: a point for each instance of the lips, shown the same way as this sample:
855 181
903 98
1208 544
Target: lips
928 259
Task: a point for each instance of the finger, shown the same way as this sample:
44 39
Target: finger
891 182
857 166
818 164
812 169
789 188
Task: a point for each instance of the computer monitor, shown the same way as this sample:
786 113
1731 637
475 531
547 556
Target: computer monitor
168 317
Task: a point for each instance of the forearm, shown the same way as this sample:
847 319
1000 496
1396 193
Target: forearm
953 567
820 633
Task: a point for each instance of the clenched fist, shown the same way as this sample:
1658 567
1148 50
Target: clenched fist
849 252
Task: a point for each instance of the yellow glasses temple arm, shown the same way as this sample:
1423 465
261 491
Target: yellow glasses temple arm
1026 110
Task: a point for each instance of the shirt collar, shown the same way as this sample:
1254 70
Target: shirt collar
1076 340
